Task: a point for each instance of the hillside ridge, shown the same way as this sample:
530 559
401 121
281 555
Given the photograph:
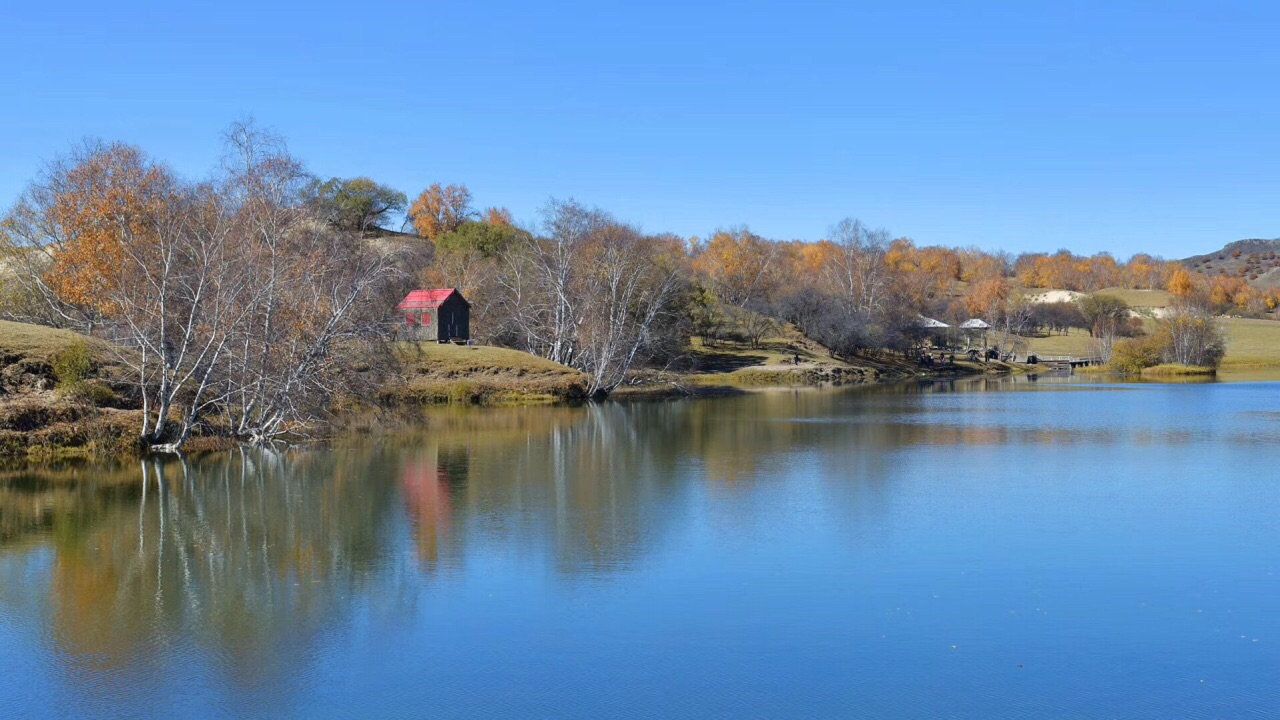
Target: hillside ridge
1257 260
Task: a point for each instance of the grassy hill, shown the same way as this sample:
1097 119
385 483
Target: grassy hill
1075 342
451 374
1250 343
709 368
1140 298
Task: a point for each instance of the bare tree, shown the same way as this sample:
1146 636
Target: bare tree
859 268
625 291
231 297
557 260
178 313
589 293
1192 336
1013 320
307 280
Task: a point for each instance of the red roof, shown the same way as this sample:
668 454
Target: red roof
427 298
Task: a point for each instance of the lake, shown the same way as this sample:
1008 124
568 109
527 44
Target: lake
985 548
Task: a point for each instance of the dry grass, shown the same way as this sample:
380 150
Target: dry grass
1075 342
38 422
44 427
777 351
453 359
1140 298
1252 343
772 364
1175 370
37 341
479 374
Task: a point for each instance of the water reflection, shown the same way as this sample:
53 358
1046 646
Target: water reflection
248 555
250 563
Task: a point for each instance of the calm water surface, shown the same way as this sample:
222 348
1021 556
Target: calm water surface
981 549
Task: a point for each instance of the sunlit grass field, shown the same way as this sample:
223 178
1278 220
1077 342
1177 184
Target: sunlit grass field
1250 343
1075 342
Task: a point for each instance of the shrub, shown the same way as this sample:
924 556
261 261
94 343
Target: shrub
72 364
465 393
1133 355
91 392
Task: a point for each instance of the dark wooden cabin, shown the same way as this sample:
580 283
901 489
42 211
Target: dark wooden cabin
441 314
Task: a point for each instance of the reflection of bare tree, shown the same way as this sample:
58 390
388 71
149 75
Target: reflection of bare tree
252 553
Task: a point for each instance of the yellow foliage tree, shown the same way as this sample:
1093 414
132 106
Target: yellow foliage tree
1181 284
739 265
438 210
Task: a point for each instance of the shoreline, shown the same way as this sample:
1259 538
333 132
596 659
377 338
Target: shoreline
47 426
75 434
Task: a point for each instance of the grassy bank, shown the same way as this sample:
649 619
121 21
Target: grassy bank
430 373
47 415
1176 370
62 396
433 374
787 360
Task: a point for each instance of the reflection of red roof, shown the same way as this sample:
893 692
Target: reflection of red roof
427 298
426 496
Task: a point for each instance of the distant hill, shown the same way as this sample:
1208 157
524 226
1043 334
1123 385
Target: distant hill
1257 261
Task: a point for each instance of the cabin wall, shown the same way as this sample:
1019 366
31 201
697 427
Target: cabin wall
454 320
417 324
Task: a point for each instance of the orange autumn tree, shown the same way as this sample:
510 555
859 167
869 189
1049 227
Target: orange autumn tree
923 273
111 199
977 265
439 210
1144 272
68 235
498 216
987 298
1271 298
812 259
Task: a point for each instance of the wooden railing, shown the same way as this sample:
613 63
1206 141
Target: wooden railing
1069 359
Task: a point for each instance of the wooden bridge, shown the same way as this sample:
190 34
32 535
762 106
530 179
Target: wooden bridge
1067 362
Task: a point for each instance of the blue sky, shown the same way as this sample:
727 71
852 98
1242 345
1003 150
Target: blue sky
1021 126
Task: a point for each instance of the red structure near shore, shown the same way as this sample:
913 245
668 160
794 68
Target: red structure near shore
441 314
